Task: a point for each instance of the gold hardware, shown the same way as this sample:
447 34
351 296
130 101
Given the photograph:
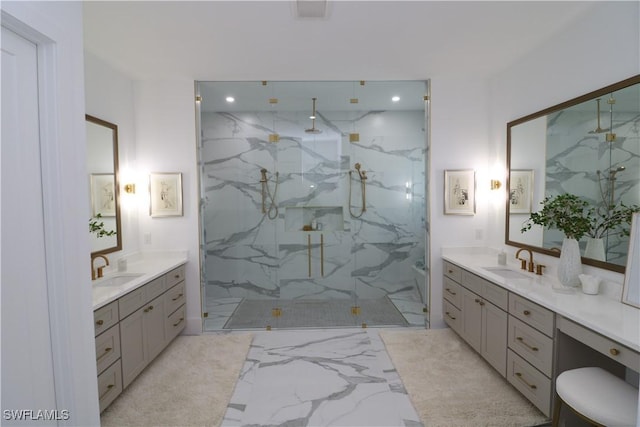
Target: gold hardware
106 351
99 322
274 137
276 312
451 292
151 307
273 100
523 262
264 83
309 252
130 188
146 310
179 321
450 271
495 184
354 137
354 100
531 386
531 267
322 255
205 314
177 298
355 310
97 274
268 327
614 351
426 98
611 137
539 268
198 98
450 316
361 82
109 387
526 312
177 276
527 345
425 310
481 303
364 325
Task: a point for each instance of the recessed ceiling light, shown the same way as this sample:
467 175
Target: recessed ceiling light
230 98
395 99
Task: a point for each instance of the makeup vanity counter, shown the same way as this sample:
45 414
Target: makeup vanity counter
529 331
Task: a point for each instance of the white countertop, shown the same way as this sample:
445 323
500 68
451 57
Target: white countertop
601 313
148 266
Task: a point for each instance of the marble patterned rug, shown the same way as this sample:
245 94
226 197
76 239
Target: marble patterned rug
189 383
451 385
256 314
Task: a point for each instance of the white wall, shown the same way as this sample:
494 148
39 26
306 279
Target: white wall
109 96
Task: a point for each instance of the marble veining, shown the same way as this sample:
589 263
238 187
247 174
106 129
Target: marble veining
248 253
319 378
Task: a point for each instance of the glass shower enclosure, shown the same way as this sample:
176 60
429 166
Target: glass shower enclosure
313 204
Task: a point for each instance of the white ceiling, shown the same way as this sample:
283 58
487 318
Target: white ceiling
370 40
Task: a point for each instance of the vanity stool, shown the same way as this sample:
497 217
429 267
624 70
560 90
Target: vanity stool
597 396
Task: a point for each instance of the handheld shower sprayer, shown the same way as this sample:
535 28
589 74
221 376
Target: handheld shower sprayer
264 175
272 212
363 185
361 173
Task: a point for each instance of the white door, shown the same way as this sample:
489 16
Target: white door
27 361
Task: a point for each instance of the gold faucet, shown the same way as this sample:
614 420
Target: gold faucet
97 272
523 262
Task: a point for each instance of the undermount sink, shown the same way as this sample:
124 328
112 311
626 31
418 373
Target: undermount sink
507 273
117 279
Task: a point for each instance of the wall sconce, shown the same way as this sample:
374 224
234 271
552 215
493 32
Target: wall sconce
495 184
130 188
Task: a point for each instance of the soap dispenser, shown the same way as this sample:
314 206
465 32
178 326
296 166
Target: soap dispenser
502 257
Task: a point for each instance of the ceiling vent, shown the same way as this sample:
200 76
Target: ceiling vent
311 8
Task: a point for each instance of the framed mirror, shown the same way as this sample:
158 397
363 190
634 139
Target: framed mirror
588 146
102 165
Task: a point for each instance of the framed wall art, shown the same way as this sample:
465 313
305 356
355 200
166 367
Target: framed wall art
520 191
166 194
460 192
103 194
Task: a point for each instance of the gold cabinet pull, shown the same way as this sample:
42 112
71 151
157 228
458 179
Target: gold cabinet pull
450 316
100 322
148 309
109 387
526 312
450 271
177 298
479 301
614 351
179 321
450 291
309 252
531 386
322 255
177 276
106 351
533 348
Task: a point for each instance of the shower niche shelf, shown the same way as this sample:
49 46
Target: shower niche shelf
326 218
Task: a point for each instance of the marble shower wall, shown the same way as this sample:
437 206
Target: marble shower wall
253 254
574 155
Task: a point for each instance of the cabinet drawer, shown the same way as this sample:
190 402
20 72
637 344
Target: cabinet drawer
175 276
472 282
109 385
529 381
532 314
604 345
533 346
105 317
452 271
139 297
107 348
452 292
174 297
175 323
452 316
498 295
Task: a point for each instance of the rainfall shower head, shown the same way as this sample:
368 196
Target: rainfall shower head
313 129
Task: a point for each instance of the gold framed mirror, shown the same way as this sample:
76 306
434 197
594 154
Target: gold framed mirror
102 166
588 146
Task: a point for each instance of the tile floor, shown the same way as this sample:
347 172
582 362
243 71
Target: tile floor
319 377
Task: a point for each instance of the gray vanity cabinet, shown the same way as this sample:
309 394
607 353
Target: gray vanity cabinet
132 330
476 310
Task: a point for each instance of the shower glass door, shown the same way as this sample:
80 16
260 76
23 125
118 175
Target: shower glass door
313 209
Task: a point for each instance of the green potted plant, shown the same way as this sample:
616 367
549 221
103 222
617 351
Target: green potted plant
96 226
573 216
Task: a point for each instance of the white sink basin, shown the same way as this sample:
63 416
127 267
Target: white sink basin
117 279
507 273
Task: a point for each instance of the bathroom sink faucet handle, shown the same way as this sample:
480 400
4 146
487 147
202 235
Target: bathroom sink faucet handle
523 264
539 269
531 266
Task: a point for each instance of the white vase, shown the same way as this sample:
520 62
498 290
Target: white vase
570 265
595 249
